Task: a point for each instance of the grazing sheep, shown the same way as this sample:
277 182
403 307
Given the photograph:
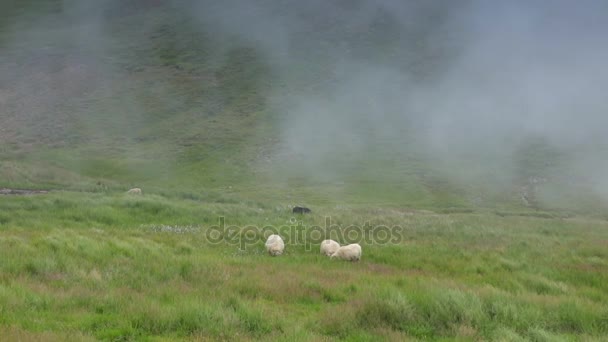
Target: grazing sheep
275 245
134 191
351 252
329 247
301 210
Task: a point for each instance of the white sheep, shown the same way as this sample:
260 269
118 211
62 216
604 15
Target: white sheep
275 245
329 247
134 191
350 252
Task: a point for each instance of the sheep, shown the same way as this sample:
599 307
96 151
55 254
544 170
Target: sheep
329 247
275 245
134 191
301 210
351 252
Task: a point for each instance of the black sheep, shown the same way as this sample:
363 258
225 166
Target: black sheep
301 210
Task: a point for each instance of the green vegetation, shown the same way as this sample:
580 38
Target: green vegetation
119 267
149 98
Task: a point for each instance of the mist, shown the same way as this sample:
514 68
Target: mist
476 93
468 84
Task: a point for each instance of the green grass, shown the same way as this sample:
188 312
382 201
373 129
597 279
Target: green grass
118 267
185 115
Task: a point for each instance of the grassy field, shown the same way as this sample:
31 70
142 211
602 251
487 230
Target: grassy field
116 267
117 94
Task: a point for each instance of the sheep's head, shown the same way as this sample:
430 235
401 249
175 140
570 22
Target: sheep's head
274 251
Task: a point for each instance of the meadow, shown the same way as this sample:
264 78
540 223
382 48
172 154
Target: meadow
218 125
109 266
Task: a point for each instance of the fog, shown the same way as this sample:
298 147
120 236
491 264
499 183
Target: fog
467 87
466 83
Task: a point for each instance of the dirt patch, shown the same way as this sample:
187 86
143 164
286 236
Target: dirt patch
5 191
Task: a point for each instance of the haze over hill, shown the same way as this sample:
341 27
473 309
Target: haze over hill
424 103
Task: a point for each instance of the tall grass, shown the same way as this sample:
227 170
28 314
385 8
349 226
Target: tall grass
117 267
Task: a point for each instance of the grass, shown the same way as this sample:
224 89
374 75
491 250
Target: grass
116 267
184 114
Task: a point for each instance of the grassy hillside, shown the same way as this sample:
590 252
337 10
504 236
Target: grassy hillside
89 100
135 108
137 93
216 122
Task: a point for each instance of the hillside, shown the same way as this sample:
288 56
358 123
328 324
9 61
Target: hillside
461 144
171 96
